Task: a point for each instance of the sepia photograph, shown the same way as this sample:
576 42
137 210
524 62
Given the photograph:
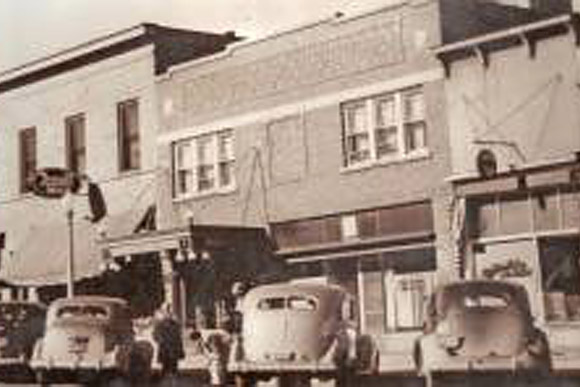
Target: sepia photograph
290 193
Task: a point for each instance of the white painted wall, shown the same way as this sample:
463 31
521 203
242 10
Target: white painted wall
94 90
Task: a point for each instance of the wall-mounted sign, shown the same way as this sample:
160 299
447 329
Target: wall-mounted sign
486 163
53 182
511 268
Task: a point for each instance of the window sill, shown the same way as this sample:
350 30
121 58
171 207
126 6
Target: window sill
203 195
415 156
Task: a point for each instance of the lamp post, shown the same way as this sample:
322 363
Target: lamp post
56 183
70 266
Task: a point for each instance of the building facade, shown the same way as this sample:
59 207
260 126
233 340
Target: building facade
513 121
333 136
90 109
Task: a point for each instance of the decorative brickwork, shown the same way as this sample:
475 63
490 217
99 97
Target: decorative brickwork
372 46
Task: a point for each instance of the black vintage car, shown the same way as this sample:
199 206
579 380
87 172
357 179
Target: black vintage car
21 325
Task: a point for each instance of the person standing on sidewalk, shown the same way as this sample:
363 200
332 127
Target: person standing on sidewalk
167 335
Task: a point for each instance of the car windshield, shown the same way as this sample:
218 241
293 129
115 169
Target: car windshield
93 311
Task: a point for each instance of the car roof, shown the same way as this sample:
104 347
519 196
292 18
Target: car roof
90 300
490 287
289 288
483 285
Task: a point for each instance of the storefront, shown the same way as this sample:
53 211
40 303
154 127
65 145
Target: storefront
385 257
524 226
196 267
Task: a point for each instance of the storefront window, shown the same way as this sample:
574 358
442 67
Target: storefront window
515 215
486 222
570 204
410 293
559 258
545 209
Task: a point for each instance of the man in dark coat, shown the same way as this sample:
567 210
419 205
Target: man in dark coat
167 334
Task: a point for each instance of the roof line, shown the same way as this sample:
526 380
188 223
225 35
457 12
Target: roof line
337 18
486 38
75 50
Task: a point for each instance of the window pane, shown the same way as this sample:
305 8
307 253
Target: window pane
403 219
386 112
415 137
75 143
357 141
414 106
387 141
546 211
356 119
184 155
128 127
358 148
205 151
205 177
27 158
515 215
184 167
561 277
570 202
184 181
486 223
409 298
374 302
302 303
367 223
226 145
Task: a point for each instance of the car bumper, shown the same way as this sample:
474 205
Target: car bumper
267 367
486 364
12 361
79 364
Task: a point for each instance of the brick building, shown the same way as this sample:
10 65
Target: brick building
333 136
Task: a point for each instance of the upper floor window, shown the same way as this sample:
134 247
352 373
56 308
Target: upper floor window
27 156
384 127
204 163
128 133
75 143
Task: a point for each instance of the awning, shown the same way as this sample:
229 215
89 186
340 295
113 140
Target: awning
42 257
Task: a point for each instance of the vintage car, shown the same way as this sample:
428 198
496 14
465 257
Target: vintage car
88 339
21 325
480 326
298 331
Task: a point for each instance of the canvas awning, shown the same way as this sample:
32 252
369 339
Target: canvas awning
41 259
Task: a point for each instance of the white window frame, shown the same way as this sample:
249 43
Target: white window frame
192 164
400 122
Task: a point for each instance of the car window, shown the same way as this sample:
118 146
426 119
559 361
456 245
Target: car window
302 303
93 311
485 301
272 303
